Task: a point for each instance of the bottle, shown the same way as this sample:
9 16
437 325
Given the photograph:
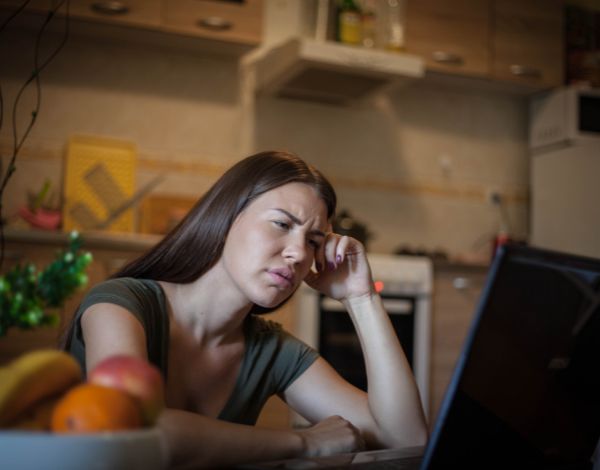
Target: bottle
368 22
349 22
391 25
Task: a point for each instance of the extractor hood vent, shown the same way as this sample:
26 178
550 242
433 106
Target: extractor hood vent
327 71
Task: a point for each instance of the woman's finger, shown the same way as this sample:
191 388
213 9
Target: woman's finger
341 249
330 250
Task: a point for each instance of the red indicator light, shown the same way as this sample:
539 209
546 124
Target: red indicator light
378 286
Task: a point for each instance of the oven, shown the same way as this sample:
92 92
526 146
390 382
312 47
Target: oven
405 286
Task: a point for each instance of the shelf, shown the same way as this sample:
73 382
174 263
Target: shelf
91 239
326 71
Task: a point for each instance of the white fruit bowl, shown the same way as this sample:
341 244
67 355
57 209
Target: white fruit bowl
127 450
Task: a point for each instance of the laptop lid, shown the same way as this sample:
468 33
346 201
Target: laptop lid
525 392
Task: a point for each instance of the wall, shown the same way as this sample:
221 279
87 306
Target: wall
416 165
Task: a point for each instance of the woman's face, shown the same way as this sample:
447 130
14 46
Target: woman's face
272 243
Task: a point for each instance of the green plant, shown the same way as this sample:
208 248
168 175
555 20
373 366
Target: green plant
29 298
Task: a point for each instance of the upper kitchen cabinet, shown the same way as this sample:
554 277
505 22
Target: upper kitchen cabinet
145 13
32 5
228 20
218 25
133 12
510 41
451 36
527 42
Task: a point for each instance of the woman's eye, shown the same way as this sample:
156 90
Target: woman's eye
281 224
315 244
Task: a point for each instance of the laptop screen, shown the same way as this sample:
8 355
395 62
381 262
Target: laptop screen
526 390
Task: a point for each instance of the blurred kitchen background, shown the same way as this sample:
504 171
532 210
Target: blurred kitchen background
417 110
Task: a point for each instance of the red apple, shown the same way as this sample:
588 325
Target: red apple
136 376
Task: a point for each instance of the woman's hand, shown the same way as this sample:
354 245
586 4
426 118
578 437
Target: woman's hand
333 435
343 271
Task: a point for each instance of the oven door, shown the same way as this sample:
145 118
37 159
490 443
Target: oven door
338 342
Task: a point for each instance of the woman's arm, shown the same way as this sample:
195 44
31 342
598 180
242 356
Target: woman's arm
197 441
390 415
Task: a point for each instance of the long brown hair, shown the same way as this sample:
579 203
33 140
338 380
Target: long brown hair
192 247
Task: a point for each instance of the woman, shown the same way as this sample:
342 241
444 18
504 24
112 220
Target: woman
187 305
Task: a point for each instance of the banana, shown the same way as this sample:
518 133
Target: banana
33 377
37 417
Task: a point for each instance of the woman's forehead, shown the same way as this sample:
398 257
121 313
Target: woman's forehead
300 199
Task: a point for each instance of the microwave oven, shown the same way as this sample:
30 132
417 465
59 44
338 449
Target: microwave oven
564 116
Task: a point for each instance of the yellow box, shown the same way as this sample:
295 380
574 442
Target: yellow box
99 178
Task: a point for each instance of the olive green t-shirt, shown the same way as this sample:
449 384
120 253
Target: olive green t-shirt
273 358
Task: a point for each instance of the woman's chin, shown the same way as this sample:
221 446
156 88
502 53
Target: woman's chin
274 301
270 304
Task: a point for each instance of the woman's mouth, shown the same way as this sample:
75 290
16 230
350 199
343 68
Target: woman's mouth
282 277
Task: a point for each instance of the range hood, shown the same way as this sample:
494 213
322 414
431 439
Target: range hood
327 71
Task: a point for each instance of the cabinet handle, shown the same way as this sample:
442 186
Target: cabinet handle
447 58
525 71
214 23
461 283
110 8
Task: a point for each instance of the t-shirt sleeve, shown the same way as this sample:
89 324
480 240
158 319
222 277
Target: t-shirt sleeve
293 359
115 291
284 356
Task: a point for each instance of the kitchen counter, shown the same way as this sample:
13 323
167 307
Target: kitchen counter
91 239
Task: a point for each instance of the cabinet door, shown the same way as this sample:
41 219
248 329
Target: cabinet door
527 42
456 293
32 5
230 21
452 36
132 12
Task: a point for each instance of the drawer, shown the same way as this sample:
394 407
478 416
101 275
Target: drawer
223 20
132 12
33 5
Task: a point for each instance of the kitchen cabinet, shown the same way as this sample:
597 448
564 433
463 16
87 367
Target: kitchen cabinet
34 5
144 13
527 42
222 20
456 292
450 36
514 41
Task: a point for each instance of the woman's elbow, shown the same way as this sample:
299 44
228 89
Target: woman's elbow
419 437
415 436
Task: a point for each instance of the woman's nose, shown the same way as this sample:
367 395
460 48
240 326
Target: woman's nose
296 250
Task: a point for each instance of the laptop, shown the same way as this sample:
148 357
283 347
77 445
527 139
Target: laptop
525 392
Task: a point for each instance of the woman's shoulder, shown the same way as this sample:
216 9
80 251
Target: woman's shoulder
264 333
259 325
120 283
133 294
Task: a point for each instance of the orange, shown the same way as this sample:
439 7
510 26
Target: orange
92 408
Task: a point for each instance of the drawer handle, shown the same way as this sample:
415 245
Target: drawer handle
110 8
214 23
447 58
525 71
461 283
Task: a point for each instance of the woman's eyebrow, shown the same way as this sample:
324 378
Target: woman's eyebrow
297 221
